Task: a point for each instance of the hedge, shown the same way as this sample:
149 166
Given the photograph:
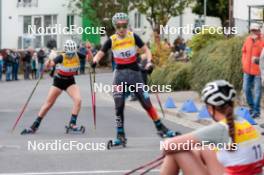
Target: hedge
218 60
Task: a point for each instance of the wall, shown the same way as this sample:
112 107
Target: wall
12 21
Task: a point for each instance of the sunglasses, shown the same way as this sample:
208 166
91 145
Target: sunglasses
119 26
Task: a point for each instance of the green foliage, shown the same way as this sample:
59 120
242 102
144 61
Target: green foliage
217 8
159 12
99 12
160 53
176 74
220 60
203 39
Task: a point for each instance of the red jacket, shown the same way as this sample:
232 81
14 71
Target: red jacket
251 49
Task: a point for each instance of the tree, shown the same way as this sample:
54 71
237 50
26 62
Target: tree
158 12
99 12
217 8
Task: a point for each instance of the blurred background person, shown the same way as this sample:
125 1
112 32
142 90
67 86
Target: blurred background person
1 65
83 51
40 59
27 64
8 65
15 64
34 65
251 51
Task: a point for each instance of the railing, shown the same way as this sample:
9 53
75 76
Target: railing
27 3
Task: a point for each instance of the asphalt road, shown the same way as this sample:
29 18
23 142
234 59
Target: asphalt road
18 157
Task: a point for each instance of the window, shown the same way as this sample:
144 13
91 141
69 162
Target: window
40 38
137 20
70 21
27 22
27 3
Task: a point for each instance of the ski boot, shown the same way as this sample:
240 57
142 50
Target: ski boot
118 142
28 131
74 129
164 132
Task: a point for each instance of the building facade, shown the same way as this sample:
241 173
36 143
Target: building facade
31 23
242 14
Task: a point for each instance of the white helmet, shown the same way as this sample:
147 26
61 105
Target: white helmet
255 26
119 17
70 46
218 93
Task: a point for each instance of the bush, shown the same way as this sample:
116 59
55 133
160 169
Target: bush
160 53
176 74
220 60
202 39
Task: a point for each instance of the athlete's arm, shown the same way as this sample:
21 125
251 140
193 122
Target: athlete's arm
100 54
180 143
143 46
147 52
215 133
50 63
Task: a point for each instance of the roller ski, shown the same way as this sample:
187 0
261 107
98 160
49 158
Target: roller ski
120 141
28 131
74 129
164 132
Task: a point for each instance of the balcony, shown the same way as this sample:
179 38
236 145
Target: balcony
27 3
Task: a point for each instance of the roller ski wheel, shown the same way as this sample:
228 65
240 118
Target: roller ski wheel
164 132
119 142
74 129
28 131
168 134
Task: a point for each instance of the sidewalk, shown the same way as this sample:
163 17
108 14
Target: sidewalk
189 120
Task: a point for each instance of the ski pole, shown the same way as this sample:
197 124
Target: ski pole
161 108
92 94
157 164
27 102
146 165
94 100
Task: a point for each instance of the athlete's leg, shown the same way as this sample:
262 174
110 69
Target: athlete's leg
144 99
74 92
54 92
187 161
203 162
211 162
119 99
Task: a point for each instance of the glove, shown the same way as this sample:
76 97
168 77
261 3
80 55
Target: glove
93 65
149 67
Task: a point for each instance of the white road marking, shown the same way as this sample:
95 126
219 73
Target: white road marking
76 172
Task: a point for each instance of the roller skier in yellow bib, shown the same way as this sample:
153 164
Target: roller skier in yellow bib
124 44
67 65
